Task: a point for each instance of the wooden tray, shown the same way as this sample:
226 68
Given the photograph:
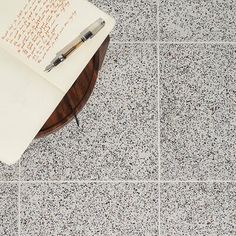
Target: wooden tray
77 96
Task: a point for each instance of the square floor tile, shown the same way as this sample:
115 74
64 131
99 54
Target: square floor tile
9 172
8 209
135 21
185 20
198 209
89 209
198 112
117 137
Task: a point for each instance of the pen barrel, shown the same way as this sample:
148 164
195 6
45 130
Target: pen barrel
66 54
59 60
87 36
88 33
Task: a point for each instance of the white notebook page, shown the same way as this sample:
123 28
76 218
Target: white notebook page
28 95
26 102
35 30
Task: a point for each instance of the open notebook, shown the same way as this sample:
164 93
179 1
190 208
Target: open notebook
31 33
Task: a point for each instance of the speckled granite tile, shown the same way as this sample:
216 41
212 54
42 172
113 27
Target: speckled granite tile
109 2
8 209
152 2
198 112
117 137
89 209
190 209
134 22
184 20
9 172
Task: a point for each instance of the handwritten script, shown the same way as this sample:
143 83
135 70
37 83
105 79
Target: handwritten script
38 26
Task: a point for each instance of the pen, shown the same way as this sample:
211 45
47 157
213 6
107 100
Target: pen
88 33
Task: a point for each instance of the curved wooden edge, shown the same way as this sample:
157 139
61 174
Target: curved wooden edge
68 118
102 52
98 59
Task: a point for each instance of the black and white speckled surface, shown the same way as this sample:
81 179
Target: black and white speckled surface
118 136
9 173
113 175
9 217
198 111
198 209
89 209
137 20
194 20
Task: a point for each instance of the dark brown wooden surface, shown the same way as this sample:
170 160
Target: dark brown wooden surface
77 96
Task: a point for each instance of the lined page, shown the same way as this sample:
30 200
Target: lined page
26 102
35 30
37 27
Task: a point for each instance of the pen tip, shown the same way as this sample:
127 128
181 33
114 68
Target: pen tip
49 68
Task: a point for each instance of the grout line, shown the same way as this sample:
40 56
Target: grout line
195 42
133 42
115 181
158 120
77 181
19 209
162 42
89 181
197 181
19 197
159 137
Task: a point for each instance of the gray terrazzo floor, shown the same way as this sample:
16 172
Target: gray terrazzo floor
155 154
